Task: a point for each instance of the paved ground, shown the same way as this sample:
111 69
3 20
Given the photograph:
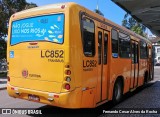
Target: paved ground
3 82
144 98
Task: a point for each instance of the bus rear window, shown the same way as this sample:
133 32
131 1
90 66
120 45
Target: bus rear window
41 28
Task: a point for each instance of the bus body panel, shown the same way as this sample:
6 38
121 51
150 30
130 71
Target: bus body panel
84 79
34 61
38 70
123 71
65 100
38 62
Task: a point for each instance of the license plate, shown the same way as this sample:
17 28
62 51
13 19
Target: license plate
33 98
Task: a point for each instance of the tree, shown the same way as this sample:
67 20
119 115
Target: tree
3 48
30 5
130 23
7 8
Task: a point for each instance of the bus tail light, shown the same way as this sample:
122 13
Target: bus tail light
67 86
68 72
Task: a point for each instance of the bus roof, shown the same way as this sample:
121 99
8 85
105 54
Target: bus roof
52 8
61 7
47 7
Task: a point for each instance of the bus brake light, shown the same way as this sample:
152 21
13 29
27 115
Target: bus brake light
68 72
12 88
67 86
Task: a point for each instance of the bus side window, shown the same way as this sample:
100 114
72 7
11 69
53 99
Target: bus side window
88 35
99 47
124 46
114 44
143 50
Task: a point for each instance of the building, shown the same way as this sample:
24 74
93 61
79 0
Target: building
156 43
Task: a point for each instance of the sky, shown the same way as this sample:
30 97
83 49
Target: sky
110 10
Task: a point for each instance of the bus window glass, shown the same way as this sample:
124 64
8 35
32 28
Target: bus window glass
124 46
105 48
143 50
88 35
99 47
133 52
114 43
134 49
136 53
41 28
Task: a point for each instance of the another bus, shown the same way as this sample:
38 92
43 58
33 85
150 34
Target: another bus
68 56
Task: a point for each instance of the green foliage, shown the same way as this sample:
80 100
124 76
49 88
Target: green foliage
7 8
30 5
3 48
130 23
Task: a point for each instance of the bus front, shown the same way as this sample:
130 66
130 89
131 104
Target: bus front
38 55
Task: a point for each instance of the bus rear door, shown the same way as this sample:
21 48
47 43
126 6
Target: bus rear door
102 82
134 65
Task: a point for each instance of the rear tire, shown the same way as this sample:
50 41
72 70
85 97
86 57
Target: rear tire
117 92
145 78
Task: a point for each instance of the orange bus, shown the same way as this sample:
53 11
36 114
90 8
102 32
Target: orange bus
68 56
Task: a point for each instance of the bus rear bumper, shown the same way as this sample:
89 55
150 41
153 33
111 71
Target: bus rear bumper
65 100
